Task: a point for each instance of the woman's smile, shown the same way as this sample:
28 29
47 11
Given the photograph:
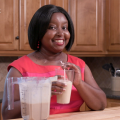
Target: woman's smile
59 42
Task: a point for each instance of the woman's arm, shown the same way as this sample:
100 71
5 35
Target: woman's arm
88 89
91 93
16 112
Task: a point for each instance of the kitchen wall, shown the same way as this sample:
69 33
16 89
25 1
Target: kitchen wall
4 62
102 77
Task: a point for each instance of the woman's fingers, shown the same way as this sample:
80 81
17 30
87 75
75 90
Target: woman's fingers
71 66
57 88
57 83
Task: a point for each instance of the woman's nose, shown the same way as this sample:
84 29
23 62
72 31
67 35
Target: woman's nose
60 31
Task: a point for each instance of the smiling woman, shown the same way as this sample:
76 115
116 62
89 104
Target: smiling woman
50 31
44 20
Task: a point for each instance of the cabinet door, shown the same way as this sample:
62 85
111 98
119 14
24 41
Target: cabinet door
8 25
27 9
113 102
88 19
113 25
84 107
1 118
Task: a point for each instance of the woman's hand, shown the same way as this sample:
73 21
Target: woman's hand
57 88
77 72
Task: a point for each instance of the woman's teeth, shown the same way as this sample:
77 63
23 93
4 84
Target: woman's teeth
59 41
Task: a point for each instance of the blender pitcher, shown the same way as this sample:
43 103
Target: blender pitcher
35 93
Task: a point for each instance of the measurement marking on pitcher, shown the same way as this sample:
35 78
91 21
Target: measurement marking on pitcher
23 96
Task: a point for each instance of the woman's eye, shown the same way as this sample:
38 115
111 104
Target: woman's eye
64 28
52 27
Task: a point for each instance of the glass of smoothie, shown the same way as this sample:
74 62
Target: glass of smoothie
65 76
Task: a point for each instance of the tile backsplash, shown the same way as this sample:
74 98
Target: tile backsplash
4 62
102 77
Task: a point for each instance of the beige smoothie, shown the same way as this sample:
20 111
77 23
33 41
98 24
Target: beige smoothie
36 104
38 111
64 98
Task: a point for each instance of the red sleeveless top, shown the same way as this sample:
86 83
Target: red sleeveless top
30 69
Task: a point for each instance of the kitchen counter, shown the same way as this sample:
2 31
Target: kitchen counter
112 113
111 94
1 96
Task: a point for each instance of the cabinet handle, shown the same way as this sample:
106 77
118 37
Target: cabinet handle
17 37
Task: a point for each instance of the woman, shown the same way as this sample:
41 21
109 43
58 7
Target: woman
50 31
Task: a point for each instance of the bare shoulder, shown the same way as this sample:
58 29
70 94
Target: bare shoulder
13 72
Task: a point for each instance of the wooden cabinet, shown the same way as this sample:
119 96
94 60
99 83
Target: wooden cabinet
1 118
84 107
113 26
88 18
27 9
8 25
113 102
15 16
96 22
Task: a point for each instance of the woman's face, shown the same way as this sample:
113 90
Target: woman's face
57 35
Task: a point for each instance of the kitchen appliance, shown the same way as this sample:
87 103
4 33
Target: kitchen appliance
35 94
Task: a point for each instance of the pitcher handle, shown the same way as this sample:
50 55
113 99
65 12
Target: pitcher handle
10 93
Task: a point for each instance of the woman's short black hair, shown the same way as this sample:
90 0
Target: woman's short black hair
39 24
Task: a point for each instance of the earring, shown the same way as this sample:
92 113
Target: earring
38 45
